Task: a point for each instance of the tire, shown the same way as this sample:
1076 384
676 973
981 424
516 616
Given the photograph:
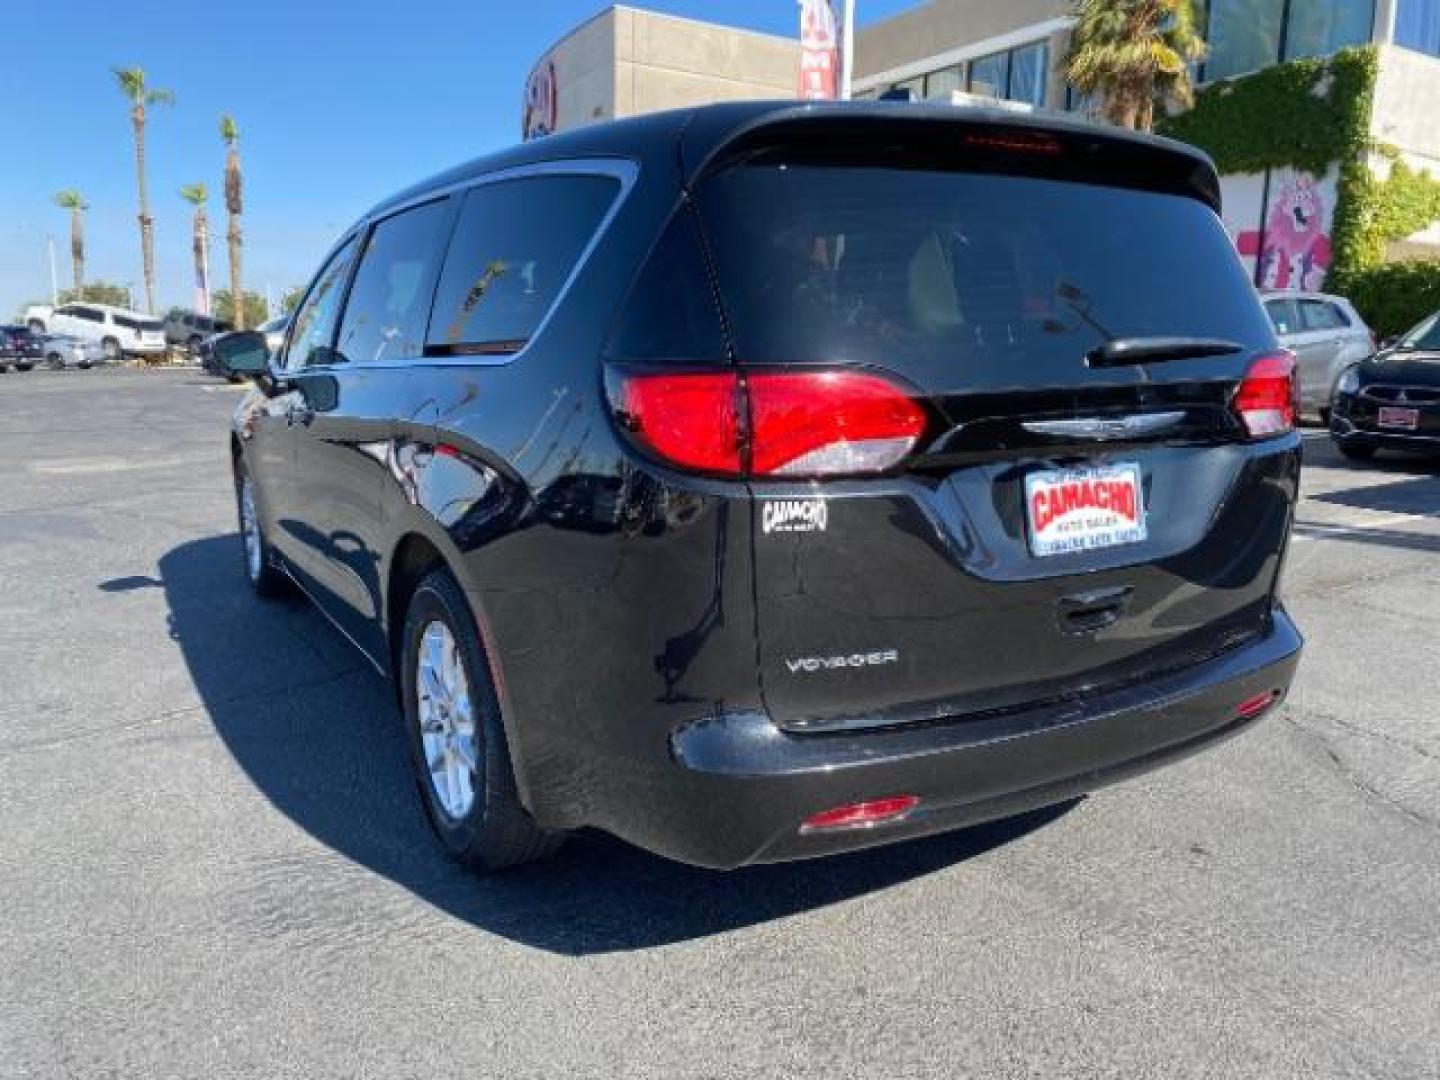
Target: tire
492 830
23 367
261 571
1325 416
56 361
84 365
112 350
1356 451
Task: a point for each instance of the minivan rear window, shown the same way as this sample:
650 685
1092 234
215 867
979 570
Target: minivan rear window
965 279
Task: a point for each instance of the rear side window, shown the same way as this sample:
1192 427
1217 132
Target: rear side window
88 314
390 299
1321 315
975 280
514 247
1283 314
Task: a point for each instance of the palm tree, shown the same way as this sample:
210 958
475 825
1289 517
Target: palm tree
234 207
1135 54
141 97
196 195
72 200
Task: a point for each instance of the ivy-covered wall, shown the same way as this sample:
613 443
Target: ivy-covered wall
1309 114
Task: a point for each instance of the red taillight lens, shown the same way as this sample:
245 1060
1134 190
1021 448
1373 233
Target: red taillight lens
822 423
1267 399
816 423
691 420
873 812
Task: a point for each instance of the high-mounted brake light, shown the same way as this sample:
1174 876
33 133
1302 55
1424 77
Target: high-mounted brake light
1267 400
780 424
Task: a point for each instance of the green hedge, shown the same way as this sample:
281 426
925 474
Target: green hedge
1395 296
1305 113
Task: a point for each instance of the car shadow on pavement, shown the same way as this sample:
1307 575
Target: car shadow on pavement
315 730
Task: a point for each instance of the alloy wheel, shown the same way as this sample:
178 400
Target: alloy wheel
447 720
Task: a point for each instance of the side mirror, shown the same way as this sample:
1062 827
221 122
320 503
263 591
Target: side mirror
242 353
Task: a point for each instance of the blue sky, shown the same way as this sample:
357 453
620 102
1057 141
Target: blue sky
338 104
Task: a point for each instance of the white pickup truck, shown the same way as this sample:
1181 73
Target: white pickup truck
117 331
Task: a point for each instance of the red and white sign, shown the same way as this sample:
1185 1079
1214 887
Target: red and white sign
1084 509
820 51
541 108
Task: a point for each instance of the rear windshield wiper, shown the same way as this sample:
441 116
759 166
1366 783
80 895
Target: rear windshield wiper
1123 352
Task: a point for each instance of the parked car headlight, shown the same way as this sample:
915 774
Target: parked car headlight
1348 382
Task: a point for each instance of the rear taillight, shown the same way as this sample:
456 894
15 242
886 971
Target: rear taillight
782 424
1267 400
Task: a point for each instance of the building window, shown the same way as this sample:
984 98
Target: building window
1247 35
990 75
1322 27
1015 75
941 84
1417 25
1244 36
1028 72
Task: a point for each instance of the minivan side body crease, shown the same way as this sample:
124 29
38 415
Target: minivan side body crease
761 481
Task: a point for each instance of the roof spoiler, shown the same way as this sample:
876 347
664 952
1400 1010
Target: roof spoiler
900 135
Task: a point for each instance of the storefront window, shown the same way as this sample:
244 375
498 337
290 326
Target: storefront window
1417 25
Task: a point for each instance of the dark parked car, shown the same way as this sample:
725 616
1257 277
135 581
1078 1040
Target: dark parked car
1392 400
760 481
20 348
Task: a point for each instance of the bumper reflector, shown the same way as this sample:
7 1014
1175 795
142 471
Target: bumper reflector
1253 707
862 814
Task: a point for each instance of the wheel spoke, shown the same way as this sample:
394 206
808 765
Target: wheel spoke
446 720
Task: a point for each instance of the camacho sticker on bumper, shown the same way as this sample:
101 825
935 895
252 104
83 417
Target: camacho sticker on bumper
793 515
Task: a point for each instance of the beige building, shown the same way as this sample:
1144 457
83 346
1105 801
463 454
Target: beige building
627 61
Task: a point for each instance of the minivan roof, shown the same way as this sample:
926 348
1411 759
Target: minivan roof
702 132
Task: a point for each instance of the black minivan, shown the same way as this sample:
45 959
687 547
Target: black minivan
761 481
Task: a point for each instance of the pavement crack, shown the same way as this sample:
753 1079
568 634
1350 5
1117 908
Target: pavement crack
1353 777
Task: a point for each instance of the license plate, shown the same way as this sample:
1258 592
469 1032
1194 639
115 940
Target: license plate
1409 419
1084 509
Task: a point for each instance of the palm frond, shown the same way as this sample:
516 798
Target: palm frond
71 199
195 194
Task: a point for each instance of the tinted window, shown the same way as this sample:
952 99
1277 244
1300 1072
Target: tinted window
310 344
390 300
88 314
1283 315
976 279
1319 315
671 312
1244 36
513 249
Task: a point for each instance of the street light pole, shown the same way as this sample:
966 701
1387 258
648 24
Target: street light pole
54 281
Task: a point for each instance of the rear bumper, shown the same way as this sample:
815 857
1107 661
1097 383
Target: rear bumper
737 788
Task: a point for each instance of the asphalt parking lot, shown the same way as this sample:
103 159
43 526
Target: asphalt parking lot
212 862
